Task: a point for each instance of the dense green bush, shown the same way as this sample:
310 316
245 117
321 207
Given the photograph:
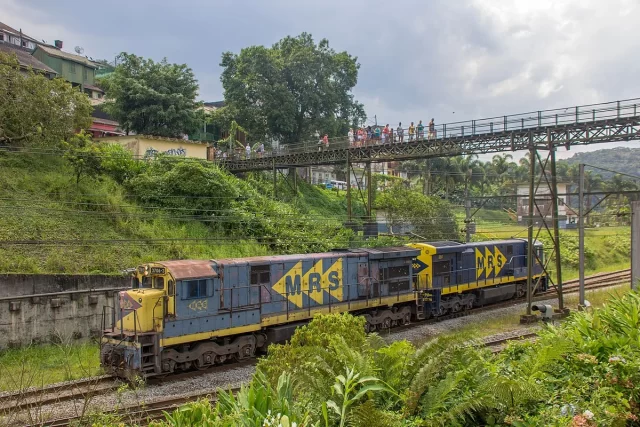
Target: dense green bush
585 372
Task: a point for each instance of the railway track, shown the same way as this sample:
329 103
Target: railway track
596 281
86 388
38 397
142 415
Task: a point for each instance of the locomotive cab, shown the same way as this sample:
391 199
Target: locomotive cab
137 320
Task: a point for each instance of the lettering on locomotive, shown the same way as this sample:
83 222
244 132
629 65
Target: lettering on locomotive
158 270
490 264
316 284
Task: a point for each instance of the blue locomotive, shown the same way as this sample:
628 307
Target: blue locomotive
188 314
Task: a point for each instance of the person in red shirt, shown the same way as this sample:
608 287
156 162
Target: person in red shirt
325 141
385 134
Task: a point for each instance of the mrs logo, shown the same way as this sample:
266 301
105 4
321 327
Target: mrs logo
198 305
489 263
315 283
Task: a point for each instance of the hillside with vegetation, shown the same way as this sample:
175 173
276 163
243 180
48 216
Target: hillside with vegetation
123 212
619 159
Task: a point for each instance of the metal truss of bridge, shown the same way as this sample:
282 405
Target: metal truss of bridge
564 127
540 133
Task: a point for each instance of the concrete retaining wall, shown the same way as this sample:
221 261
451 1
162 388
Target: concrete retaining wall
37 308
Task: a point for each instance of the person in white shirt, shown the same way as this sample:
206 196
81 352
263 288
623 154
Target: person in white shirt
350 134
248 149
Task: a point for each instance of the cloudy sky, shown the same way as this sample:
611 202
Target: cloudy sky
451 60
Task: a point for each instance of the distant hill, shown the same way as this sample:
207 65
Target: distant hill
622 159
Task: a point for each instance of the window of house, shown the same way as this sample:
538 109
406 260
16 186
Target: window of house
72 67
1 36
85 74
196 289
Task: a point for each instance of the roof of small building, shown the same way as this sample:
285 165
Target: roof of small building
96 88
4 27
66 55
25 59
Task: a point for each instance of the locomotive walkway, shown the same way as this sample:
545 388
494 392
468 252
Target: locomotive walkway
540 130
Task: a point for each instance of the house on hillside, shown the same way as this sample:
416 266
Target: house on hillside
103 124
76 69
27 61
17 38
567 217
148 146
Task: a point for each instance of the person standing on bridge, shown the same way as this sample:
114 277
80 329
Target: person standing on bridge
400 133
350 135
432 129
325 141
260 150
248 150
420 130
412 131
385 134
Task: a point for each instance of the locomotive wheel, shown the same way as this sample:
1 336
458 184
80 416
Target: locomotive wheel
205 362
244 352
406 318
367 327
456 307
520 291
386 323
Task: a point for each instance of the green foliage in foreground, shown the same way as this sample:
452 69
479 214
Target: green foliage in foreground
584 372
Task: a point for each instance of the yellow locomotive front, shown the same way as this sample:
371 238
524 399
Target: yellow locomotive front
131 345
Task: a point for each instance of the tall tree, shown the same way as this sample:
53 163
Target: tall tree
36 110
291 89
154 98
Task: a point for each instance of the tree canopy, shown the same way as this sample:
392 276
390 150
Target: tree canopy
288 91
37 110
150 97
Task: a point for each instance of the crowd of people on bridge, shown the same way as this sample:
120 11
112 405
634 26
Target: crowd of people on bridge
383 135
359 137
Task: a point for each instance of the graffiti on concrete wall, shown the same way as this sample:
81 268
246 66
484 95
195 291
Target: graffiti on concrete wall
152 152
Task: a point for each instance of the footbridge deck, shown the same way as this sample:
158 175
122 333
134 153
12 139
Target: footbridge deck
542 130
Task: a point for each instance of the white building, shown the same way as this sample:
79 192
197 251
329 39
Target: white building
566 215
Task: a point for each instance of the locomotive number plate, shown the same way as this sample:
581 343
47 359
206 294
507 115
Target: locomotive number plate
157 270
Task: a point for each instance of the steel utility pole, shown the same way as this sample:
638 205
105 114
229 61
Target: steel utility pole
635 244
581 233
349 214
467 208
532 195
556 225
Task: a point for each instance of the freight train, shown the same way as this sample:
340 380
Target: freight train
180 315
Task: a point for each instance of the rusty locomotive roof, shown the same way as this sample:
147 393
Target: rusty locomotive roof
189 268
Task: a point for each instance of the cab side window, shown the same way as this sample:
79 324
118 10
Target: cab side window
196 289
